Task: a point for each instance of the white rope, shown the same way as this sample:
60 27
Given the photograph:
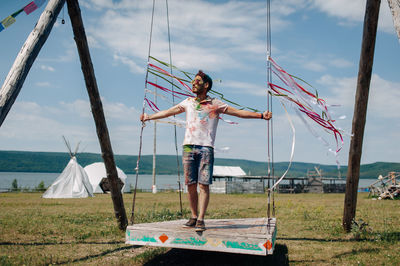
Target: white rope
143 124
292 150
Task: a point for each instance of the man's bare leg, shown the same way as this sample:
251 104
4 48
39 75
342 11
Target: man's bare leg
203 200
193 199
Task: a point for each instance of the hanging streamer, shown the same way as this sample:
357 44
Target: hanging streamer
180 81
29 8
306 105
292 149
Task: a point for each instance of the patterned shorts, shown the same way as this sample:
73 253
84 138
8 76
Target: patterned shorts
198 162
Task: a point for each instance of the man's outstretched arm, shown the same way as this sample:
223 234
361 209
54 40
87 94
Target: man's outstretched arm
162 114
247 114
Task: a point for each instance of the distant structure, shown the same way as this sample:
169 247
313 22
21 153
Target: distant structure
231 179
228 171
315 184
387 187
73 181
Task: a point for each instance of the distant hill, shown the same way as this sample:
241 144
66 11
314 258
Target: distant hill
55 162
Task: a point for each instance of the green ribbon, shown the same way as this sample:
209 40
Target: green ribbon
189 77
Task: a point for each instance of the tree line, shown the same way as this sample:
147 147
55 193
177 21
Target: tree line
55 162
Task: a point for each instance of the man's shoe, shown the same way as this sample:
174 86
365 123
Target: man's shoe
200 226
191 222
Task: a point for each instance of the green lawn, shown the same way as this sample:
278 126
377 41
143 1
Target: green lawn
41 231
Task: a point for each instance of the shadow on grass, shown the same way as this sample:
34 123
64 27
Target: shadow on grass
380 236
88 257
388 236
338 256
59 243
358 251
104 253
315 239
327 240
194 257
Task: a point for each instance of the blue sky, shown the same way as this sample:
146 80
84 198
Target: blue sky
316 40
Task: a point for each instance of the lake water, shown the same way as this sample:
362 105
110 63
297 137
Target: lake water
32 180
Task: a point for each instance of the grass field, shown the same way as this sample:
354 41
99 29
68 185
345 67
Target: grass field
37 231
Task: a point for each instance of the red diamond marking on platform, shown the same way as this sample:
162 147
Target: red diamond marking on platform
268 245
163 238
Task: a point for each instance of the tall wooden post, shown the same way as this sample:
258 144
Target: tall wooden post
97 111
154 186
394 6
360 110
27 55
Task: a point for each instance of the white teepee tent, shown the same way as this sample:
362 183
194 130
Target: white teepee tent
73 181
97 171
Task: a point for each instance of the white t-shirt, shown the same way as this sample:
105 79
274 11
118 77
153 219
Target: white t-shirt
201 120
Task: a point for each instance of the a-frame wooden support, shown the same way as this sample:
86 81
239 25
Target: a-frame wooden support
394 6
26 56
97 111
360 110
20 69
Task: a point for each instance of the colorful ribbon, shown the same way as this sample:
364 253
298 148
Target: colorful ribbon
305 104
180 83
292 149
29 8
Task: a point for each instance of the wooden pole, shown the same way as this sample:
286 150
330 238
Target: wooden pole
27 55
394 6
154 187
97 111
360 110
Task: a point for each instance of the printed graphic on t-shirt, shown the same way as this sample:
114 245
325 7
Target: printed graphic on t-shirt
202 120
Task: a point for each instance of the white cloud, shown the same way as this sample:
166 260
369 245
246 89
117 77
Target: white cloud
314 66
69 54
33 118
46 124
133 67
245 87
120 112
383 98
350 12
342 89
45 84
230 32
314 62
47 68
112 110
98 4
81 108
92 42
341 63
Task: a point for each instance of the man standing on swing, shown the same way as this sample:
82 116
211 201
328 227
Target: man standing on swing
202 115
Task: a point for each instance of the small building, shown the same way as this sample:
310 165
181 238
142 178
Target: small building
232 179
227 171
315 184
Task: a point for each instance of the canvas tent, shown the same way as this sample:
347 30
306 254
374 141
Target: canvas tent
97 176
72 183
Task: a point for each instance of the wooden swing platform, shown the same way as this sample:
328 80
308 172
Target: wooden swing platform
245 236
